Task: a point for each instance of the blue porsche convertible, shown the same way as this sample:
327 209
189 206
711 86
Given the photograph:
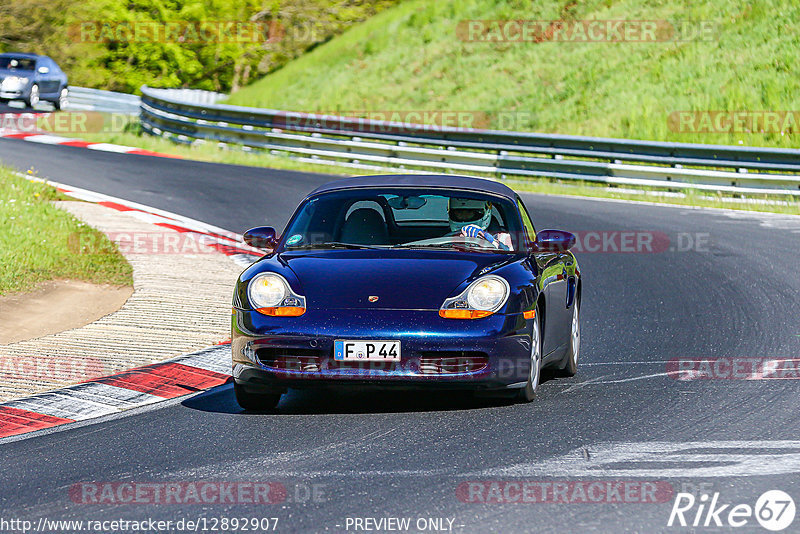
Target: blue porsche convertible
409 282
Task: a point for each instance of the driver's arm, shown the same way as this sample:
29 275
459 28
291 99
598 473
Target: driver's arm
473 230
505 240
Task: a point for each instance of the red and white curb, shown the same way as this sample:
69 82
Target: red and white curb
113 394
229 243
141 386
49 139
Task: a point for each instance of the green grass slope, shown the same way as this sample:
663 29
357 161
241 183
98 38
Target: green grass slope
40 242
411 58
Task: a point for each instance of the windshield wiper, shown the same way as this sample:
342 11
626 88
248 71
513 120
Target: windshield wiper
444 245
334 244
424 245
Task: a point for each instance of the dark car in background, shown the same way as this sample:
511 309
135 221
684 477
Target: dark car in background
32 78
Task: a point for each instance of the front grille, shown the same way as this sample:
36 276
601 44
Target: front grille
442 363
314 361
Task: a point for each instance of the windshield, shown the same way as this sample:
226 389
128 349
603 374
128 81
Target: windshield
17 63
405 218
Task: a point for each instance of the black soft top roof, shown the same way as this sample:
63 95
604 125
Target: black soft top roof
422 181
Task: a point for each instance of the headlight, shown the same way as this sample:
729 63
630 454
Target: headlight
487 294
267 290
14 81
482 298
270 294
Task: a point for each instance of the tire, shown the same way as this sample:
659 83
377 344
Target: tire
573 350
255 402
33 98
528 393
61 103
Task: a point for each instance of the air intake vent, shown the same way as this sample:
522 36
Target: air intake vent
304 360
452 362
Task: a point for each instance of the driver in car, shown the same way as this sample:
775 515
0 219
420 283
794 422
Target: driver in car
472 218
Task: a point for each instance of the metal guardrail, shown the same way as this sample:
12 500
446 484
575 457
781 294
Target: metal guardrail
85 99
191 96
354 141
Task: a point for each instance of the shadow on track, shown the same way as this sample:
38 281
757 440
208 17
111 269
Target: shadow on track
335 400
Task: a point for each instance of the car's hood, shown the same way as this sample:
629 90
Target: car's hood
402 279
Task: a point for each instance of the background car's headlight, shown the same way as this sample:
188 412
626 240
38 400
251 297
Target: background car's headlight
14 81
482 298
270 294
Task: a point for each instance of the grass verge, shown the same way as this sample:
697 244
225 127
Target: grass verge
39 241
413 57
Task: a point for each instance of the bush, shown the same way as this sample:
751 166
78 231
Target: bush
61 29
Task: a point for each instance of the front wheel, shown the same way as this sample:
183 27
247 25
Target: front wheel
574 349
255 402
527 393
61 103
33 98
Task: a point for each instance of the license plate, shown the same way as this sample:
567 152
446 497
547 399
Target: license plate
366 351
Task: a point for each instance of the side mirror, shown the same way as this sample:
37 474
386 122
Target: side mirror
43 70
554 241
261 237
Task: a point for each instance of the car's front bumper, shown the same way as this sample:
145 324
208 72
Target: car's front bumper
275 353
12 95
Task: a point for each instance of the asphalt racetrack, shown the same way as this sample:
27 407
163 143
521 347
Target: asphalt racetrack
724 286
